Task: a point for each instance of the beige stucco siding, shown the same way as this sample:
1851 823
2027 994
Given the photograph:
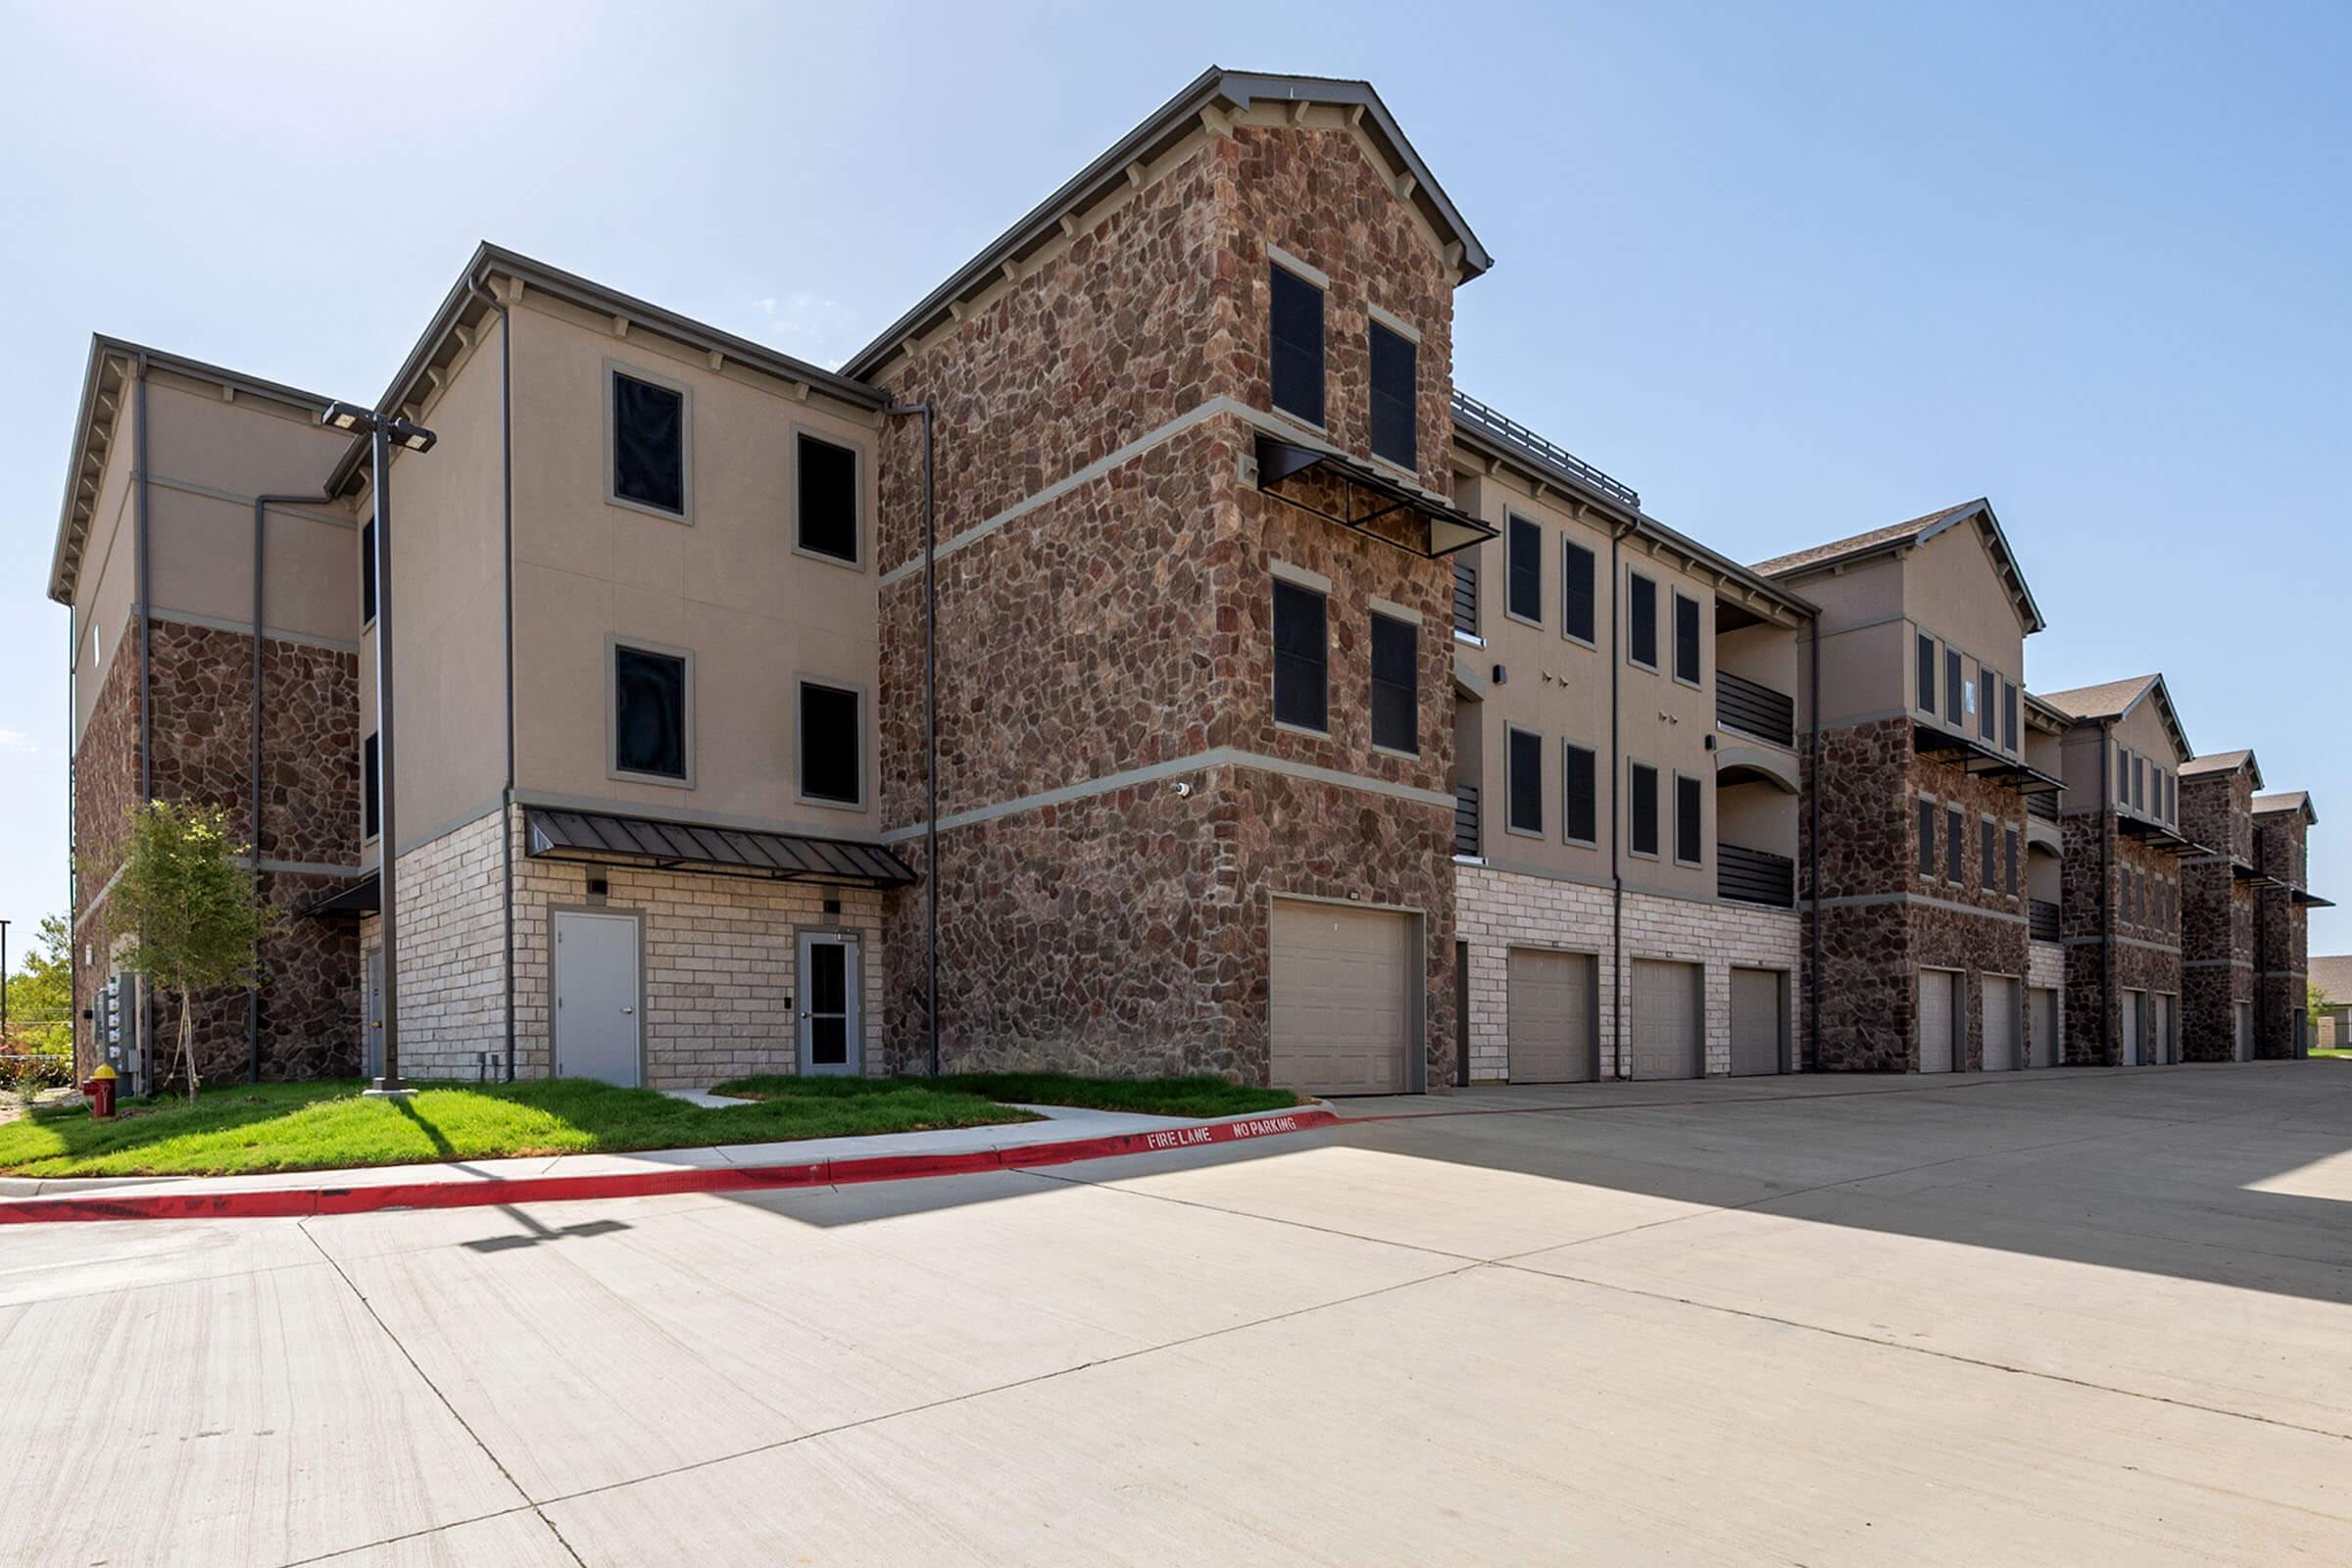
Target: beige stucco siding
106 593
726 584
1951 592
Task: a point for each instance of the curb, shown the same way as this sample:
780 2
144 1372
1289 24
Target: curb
302 1201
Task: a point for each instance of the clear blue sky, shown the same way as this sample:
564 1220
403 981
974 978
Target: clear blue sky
1793 272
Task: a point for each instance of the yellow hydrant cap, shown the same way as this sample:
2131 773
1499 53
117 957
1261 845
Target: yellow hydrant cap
104 1071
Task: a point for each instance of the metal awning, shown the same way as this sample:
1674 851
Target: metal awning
1355 495
363 897
2156 833
2310 900
602 837
1982 761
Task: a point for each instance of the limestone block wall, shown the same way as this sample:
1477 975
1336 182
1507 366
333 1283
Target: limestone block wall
1497 911
452 956
2045 967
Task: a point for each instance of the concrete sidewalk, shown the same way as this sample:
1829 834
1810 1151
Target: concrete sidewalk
1062 1124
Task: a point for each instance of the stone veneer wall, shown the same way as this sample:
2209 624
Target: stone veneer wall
1497 911
1881 920
201 681
1119 620
2217 967
2108 954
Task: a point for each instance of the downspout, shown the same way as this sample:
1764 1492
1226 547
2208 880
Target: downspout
1812 1061
2106 879
1618 807
253 992
146 621
506 813
930 734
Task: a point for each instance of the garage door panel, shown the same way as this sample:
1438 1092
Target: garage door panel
1757 1008
1668 1039
1340 998
2043 1005
1551 1016
1935 1018
1999 1023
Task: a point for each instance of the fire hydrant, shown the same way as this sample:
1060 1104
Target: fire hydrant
100 1087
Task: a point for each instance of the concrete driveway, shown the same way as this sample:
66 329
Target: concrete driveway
2055 1317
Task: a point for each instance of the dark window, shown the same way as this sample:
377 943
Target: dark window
1989 866
1297 333
1952 686
2123 776
1300 657
1575 589
832 743
828 521
1525 781
2139 783
1688 845
649 444
1986 681
1641 619
1643 809
2009 716
1955 867
1394 397
648 712
1685 639
1465 594
367 571
1395 684
371 787
1580 818
1526 569
2010 846
1926 675
1927 838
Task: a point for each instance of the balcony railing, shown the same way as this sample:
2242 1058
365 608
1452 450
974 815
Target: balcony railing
1755 876
2043 806
1756 710
1465 597
1465 820
2041 917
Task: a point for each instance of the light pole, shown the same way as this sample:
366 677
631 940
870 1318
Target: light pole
3 985
387 430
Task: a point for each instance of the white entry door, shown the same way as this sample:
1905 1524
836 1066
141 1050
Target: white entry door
597 1030
2000 1023
830 1036
1939 1020
2241 1046
2131 1010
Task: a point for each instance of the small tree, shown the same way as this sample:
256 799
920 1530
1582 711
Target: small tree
40 993
189 909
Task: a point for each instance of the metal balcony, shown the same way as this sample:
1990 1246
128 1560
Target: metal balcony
1754 709
2041 919
1755 876
1465 820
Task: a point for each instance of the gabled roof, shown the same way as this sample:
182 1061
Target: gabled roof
2332 975
2223 762
2287 800
1910 535
1215 90
106 399
2116 699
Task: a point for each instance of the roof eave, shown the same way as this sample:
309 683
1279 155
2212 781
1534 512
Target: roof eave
1170 122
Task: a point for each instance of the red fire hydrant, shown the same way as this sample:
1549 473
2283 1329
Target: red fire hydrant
100 1087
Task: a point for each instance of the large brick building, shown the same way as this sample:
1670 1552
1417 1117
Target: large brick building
1141 658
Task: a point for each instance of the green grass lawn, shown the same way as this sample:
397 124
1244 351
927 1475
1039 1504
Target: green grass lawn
1202 1095
2330 1050
325 1126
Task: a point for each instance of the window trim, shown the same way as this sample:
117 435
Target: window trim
613 643
1929 847
1510 517
1592 769
1317 280
613 495
1700 780
1988 845
1413 347
1396 615
1924 644
800 749
1633 575
1989 693
1307 582
1953 676
1955 845
1510 797
800 432
1592 595
1677 599
1632 795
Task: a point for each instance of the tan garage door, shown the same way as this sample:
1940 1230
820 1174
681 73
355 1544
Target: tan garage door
2000 1023
2042 1002
2131 1027
1341 1005
1551 1016
2168 1029
1756 1012
1936 1015
1668 1042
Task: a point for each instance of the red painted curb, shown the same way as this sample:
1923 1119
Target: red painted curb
297 1202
